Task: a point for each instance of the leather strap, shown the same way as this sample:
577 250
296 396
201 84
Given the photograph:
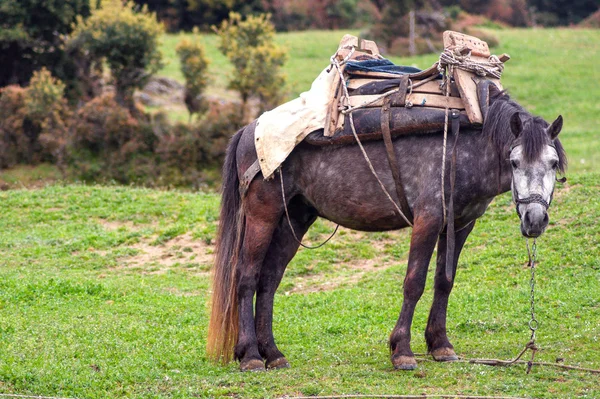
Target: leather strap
398 99
391 156
450 230
249 175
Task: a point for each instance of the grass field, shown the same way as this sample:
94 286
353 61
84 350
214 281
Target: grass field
103 290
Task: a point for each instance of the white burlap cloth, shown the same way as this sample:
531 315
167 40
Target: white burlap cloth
279 131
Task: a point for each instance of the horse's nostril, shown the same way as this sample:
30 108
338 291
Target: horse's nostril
526 219
546 219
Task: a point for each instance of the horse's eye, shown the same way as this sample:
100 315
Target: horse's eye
555 165
514 164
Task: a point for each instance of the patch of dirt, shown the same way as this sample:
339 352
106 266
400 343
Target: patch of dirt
116 224
352 272
183 251
320 282
195 256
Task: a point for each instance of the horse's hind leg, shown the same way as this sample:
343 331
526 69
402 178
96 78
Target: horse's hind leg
424 236
281 251
262 212
435 334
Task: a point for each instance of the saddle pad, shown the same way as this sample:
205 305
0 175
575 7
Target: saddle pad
281 129
383 65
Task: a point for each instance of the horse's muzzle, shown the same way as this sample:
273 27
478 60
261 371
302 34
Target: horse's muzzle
534 221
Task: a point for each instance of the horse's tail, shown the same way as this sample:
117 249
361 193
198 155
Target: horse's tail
223 326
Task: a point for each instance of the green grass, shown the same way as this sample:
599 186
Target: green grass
103 290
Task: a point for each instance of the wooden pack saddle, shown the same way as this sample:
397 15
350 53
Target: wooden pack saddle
414 101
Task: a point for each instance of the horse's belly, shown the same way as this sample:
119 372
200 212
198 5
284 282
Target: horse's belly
355 205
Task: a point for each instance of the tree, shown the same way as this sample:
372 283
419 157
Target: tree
205 13
257 60
562 12
194 66
32 36
127 39
388 26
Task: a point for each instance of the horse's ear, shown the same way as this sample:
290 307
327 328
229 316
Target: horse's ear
555 127
516 126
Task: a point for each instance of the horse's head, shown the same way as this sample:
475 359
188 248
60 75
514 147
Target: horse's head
536 156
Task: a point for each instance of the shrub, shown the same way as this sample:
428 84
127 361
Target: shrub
14 144
127 39
257 60
107 142
33 121
194 66
186 152
49 113
43 94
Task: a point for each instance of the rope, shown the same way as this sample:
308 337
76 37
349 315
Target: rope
385 191
348 110
492 67
446 83
287 215
506 363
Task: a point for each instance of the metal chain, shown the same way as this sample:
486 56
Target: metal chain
533 323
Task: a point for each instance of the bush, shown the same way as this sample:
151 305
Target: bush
127 39
108 143
33 121
14 144
48 110
194 66
256 59
187 152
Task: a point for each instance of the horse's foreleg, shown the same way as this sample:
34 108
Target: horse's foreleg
257 238
281 251
424 236
435 334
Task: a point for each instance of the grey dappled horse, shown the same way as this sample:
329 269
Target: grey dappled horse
514 150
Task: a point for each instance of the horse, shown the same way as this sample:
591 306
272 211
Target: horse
512 150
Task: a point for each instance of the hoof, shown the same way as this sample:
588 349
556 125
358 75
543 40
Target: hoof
444 355
252 365
404 362
279 363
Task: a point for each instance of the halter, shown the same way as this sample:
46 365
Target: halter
532 199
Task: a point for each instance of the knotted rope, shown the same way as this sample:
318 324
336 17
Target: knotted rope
455 58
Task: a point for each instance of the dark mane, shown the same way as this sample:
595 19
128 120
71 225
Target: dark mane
533 137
